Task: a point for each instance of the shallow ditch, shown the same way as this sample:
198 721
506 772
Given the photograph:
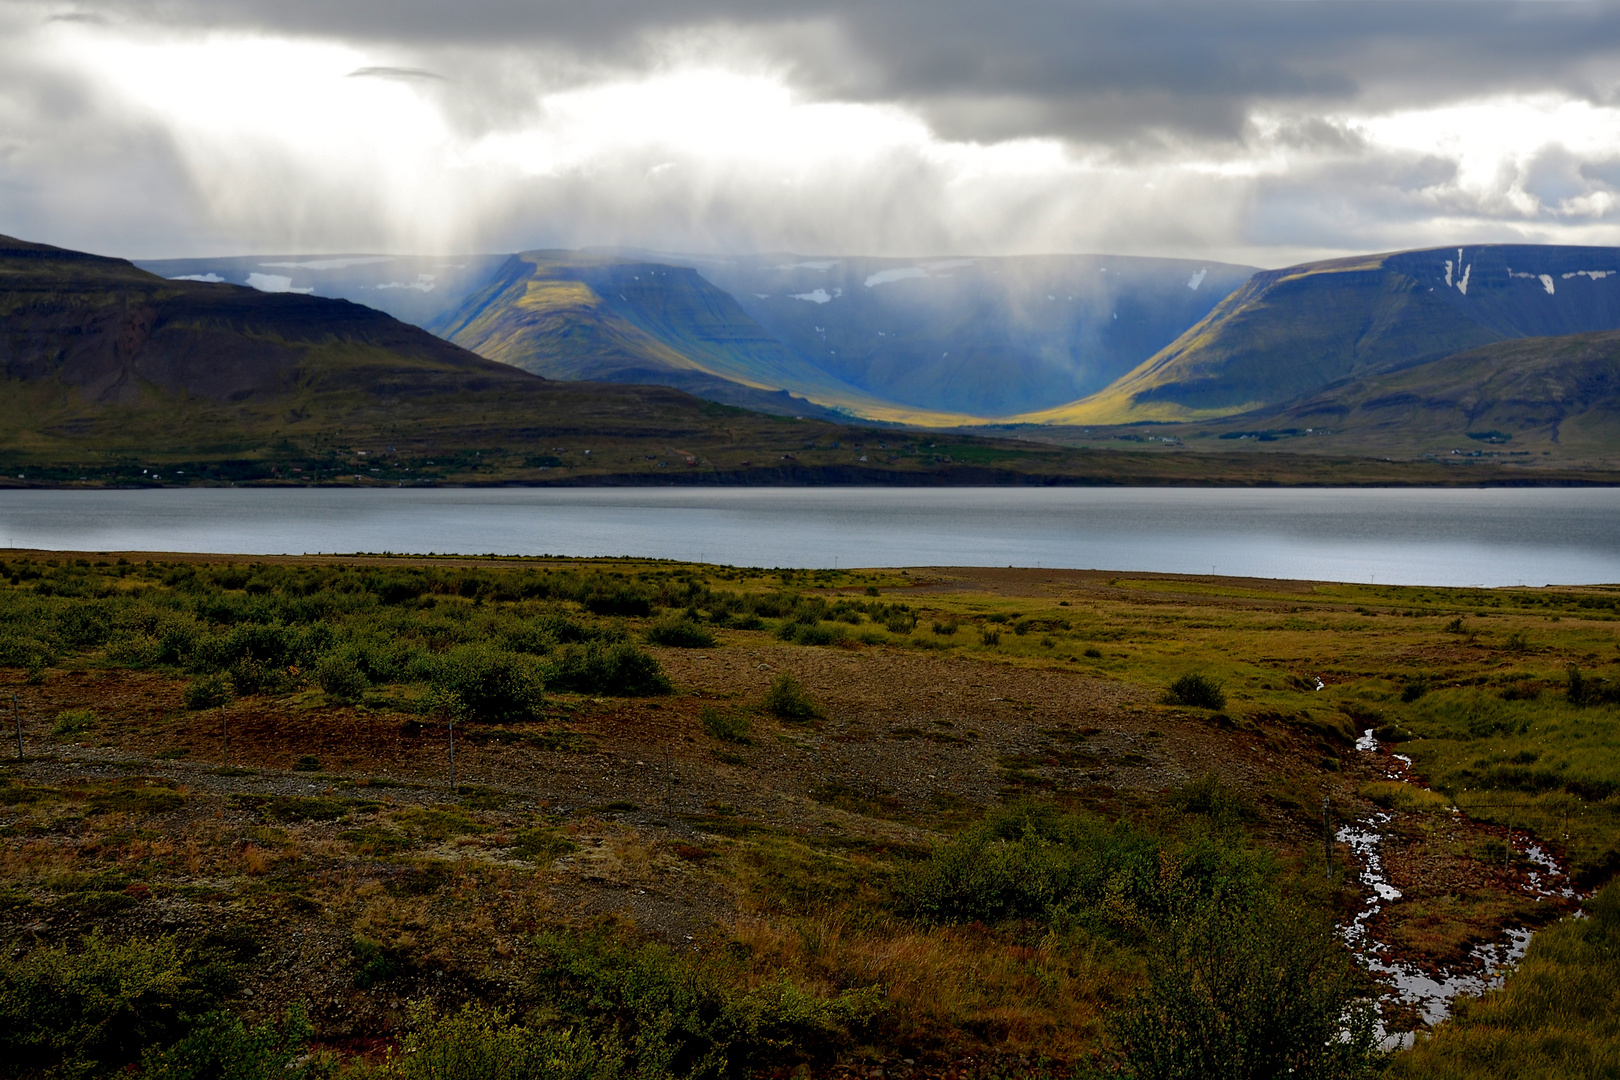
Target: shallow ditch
1429 991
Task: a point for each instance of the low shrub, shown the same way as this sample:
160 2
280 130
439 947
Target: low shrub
990 636
619 669
622 600
663 1015
1248 989
683 633
1210 797
1587 690
481 1043
25 651
95 1009
479 682
1196 691
946 628
250 676
223 1047
338 674
727 727
206 692
900 624
786 698
1034 861
74 722
811 633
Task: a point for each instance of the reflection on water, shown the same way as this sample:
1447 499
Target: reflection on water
1529 536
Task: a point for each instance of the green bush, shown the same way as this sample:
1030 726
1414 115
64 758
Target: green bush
946 628
249 677
989 636
1248 990
619 669
621 600
74 722
810 633
1587 690
339 676
786 698
900 624
207 691
1197 691
223 1047
94 1010
1210 797
670 1017
683 633
23 650
481 1043
727 727
479 682
1033 861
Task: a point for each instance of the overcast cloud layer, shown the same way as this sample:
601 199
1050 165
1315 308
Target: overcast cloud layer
1252 132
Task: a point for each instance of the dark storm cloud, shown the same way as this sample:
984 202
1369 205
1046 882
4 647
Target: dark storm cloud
1090 71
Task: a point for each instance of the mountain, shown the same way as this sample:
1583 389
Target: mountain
412 288
110 375
1296 331
1526 396
573 315
974 337
105 367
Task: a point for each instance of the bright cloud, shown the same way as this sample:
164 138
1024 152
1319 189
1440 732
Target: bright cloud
154 139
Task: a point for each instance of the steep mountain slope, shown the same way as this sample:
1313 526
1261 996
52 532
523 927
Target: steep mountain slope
573 315
982 337
1294 331
412 288
1541 393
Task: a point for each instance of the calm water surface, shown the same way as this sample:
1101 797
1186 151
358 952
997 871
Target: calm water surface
1533 536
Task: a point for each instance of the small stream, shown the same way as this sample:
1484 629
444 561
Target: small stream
1430 992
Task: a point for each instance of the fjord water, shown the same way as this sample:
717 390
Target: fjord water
1451 536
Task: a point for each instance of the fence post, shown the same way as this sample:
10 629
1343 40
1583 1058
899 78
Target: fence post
1327 837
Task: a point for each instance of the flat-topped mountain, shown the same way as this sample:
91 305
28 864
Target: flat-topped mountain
572 315
1296 331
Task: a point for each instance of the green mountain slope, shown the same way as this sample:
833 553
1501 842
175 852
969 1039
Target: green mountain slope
576 315
1291 332
1559 394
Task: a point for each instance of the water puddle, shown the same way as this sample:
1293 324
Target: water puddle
1428 991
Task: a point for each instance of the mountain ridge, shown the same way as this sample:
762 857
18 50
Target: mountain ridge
1292 331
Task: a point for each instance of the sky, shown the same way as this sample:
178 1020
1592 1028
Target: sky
1263 133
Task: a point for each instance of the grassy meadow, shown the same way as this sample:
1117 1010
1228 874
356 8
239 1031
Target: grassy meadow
709 821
